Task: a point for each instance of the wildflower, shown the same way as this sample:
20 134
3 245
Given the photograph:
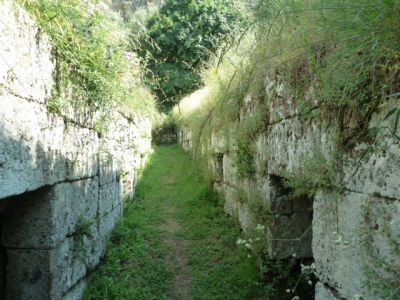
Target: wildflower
240 242
91 9
260 227
288 291
296 298
309 282
294 255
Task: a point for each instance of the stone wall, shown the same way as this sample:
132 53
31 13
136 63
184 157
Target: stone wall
353 232
61 182
165 136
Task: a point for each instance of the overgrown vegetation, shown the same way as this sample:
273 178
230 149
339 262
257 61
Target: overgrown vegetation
315 173
331 63
84 229
337 55
94 68
180 38
139 265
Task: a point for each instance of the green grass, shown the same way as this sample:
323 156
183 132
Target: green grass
136 265
90 45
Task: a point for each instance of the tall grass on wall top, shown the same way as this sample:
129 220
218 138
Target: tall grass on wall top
338 55
346 51
91 45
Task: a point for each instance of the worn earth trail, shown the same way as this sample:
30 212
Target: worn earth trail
175 241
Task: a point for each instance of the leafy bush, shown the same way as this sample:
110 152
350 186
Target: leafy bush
93 64
179 38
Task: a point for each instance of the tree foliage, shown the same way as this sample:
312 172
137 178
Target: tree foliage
179 38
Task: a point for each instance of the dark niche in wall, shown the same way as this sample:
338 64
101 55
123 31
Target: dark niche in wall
20 227
292 225
219 167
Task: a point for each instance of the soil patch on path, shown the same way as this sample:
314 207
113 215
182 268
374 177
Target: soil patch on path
177 257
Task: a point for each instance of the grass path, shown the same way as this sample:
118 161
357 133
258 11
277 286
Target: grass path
175 241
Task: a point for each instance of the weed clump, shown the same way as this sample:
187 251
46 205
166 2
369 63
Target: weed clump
94 69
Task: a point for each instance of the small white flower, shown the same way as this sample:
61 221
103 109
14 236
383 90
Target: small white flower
91 8
260 227
240 242
296 298
248 246
294 255
309 282
288 291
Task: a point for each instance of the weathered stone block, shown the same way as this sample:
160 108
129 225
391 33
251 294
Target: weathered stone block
108 166
55 273
246 217
353 234
76 292
324 293
30 146
124 151
128 183
186 139
282 105
27 280
42 219
218 143
231 200
261 154
110 197
380 174
80 148
27 65
89 247
108 222
41 274
292 141
229 170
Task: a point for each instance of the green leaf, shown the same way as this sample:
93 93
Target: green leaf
391 112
